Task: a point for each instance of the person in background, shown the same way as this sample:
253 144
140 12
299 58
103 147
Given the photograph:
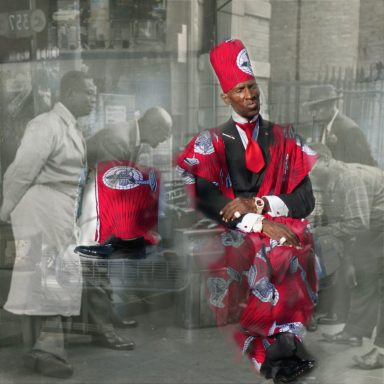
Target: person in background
339 133
42 192
354 197
124 141
120 205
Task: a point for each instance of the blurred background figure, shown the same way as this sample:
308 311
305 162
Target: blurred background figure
122 203
123 142
353 202
338 132
41 192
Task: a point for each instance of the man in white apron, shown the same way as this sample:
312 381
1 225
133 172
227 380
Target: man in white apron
42 191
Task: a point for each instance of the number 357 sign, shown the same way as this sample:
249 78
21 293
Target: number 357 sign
22 23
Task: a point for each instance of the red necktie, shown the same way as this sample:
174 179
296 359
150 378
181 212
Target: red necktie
254 159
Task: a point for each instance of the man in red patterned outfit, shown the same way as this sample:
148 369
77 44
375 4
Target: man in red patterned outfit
252 176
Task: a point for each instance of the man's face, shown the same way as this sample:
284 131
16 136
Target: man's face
322 112
244 99
84 98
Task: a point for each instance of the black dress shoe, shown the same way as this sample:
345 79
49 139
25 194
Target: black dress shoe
112 340
125 323
313 325
371 360
283 347
330 319
290 370
115 247
343 338
95 250
47 364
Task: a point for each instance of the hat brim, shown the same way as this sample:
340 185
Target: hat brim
319 101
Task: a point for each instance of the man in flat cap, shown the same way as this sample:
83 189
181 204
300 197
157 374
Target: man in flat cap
251 175
339 133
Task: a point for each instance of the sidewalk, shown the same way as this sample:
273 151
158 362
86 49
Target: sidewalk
167 354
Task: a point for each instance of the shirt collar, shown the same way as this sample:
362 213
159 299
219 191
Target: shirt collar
137 144
240 119
65 114
242 134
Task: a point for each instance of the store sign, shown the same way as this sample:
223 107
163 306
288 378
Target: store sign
21 24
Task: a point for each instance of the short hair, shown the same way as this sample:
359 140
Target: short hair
72 81
322 150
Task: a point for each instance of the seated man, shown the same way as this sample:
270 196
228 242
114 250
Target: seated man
120 205
123 144
251 176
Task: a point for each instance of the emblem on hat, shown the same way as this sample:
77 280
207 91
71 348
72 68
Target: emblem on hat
243 62
231 63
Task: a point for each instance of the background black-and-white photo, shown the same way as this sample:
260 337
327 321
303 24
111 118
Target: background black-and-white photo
99 287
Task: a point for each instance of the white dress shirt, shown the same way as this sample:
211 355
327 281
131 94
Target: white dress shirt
277 206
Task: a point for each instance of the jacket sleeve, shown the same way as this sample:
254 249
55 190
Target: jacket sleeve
301 201
211 201
361 152
33 152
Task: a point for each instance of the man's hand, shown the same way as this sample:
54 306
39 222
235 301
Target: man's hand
276 231
241 205
350 276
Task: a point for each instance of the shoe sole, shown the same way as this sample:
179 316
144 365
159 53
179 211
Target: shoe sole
301 372
351 344
45 367
343 342
101 344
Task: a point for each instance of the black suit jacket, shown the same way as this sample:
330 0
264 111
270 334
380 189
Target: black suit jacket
245 183
348 143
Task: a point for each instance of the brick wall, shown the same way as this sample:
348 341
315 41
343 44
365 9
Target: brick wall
371 39
328 37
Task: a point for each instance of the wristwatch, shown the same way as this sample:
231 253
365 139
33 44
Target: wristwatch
259 202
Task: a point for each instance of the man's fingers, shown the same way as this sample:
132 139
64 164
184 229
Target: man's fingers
292 239
228 212
240 205
277 231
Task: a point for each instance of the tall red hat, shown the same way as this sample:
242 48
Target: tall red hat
231 63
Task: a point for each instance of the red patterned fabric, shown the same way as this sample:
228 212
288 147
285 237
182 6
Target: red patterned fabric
231 63
254 159
290 162
127 201
269 288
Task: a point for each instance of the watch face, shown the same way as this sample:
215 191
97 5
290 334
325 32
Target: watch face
259 205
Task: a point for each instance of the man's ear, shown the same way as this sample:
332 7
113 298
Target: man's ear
225 98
